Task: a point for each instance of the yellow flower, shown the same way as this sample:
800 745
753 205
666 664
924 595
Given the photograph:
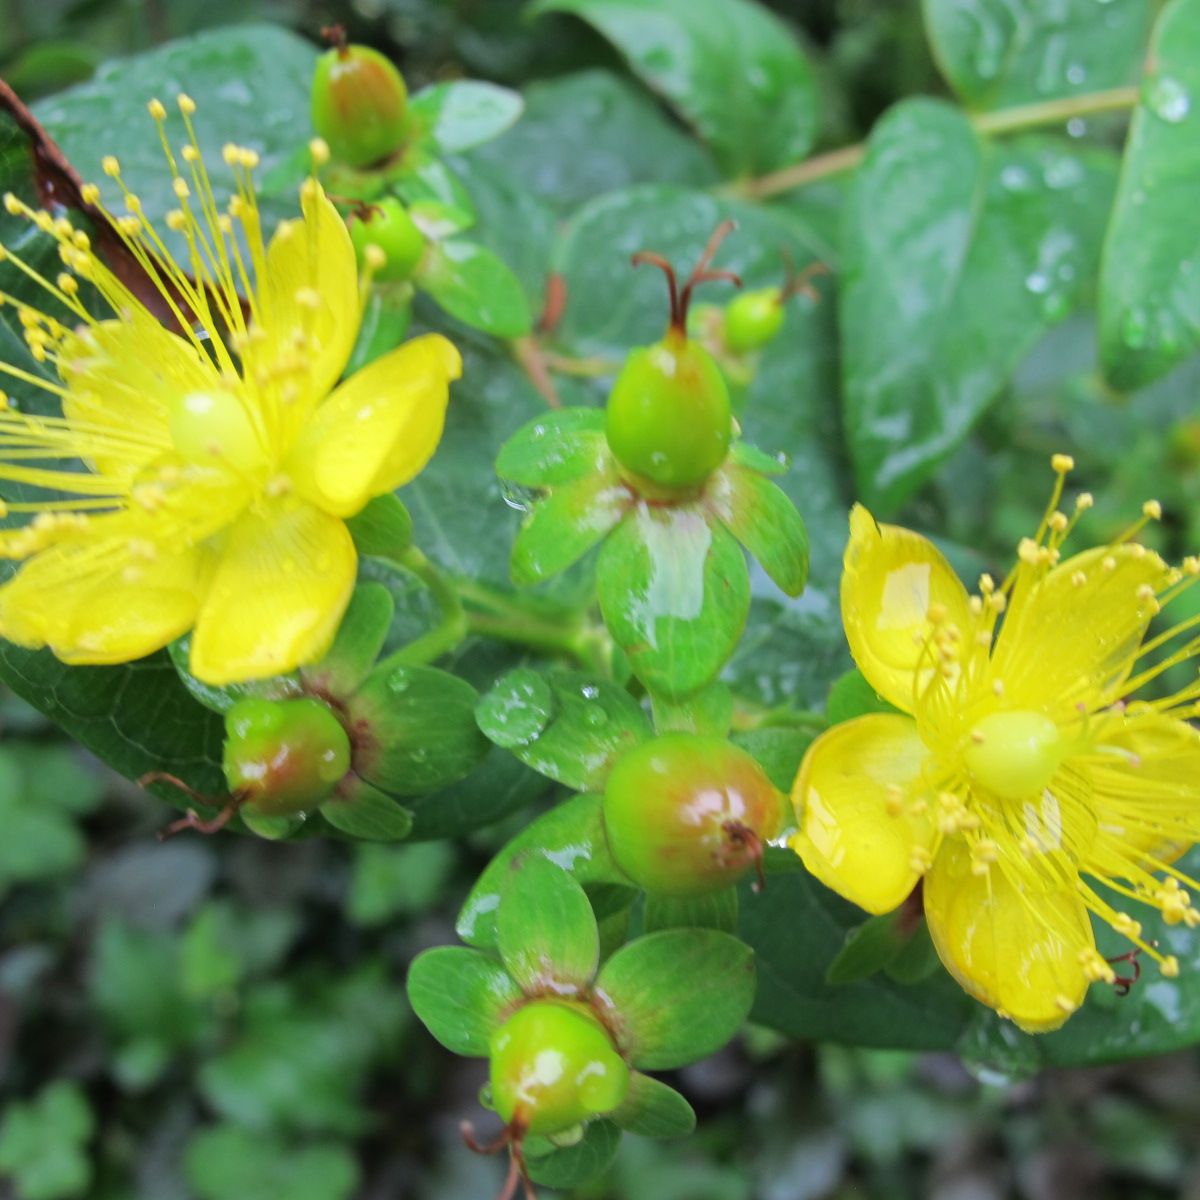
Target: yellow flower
219 462
1022 769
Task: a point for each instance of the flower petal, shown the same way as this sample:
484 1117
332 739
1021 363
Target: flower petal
1018 952
1072 637
93 599
890 578
282 581
378 429
310 309
848 838
121 378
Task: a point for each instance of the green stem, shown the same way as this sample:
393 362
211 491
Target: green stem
1004 120
448 632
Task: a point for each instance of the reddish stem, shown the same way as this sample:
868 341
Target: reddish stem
192 819
681 298
510 1136
1123 984
334 36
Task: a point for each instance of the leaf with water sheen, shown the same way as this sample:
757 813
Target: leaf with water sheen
461 997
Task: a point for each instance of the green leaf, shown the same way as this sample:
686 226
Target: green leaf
574 1165
40 838
571 834
358 643
555 448
715 910
398 881
565 725
708 711
794 954
463 113
654 1110
676 996
43 1143
383 528
268 111
545 929
674 592
996 54
629 140
227 1160
415 729
868 948
461 997
365 812
476 287
778 750
852 696
761 517
959 255
566 523
1149 288
690 49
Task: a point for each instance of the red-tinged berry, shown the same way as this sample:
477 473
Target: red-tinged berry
386 226
553 1066
686 814
669 421
359 104
283 757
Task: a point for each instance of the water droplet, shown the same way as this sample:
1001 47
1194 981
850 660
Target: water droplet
399 682
1076 127
518 497
1037 283
589 691
1136 328
1076 73
419 754
1167 99
595 716
1015 179
1063 172
995 1051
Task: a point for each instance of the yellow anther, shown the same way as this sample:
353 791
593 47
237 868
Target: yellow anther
1108 563
176 221
894 800
248 158
187 105
67 284
156 110
1191 565
937 613
1078 579
1065 1003
1084 501
189 153
1153 510
12 205
997 602
319 149
1170 967
308 298
230 152
110 165
133 203
920 860
1062 463
1058 521
987 584
89 193
181 189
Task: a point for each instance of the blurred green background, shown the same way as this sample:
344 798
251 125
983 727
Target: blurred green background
215 1018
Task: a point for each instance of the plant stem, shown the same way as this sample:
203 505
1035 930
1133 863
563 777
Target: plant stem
1004 120
448 632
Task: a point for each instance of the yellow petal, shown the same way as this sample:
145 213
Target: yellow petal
92 599
890 578
378 429
1017 951
1071 638
310 294
122 378
1145 792
282 581
849 785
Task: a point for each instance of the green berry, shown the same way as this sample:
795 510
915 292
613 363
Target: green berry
554 1066
359 105
686 814
753 319
284 756
669 418
387 225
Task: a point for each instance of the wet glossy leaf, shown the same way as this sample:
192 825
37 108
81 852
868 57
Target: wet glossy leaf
688 49
852 696
716 910
1150 284
570 835
996 53
959 255
365 812
565 725
475 286
360 638
383 528
462 113
461 996
676 996
778 749
574 1165
545 929
708 711
868 948
415 729
555 448
674 591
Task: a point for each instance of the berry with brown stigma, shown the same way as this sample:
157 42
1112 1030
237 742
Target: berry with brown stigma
385 230
685 814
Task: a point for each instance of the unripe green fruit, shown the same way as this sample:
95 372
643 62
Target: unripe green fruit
669 419
359 105
284 756
686 814
753 319
554 1066
387 225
